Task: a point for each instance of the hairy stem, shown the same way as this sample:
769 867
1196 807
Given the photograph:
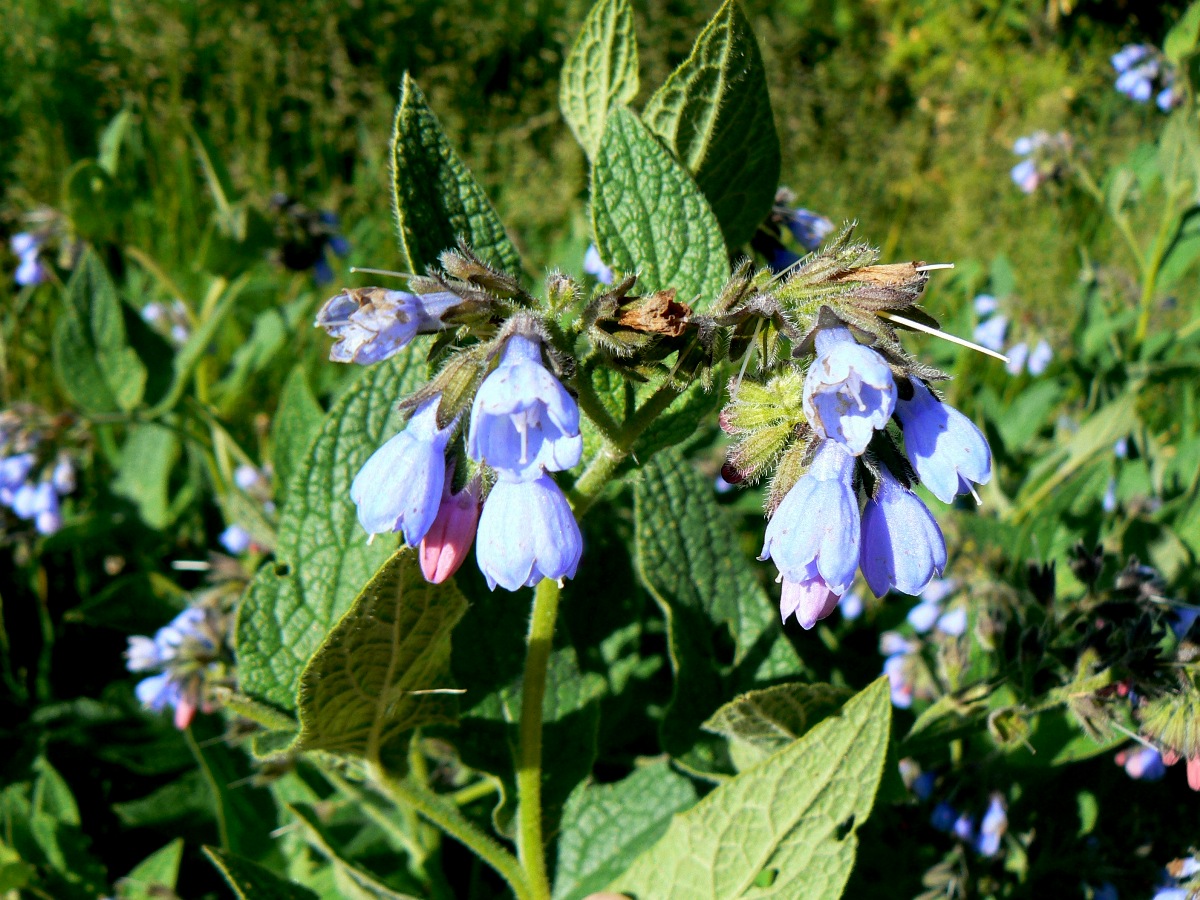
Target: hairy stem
530 840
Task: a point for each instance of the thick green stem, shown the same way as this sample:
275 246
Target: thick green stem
446 816
530 840
530 836
1158 251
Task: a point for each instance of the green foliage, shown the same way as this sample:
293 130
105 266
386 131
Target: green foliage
688 558
95 365
714 113
322 558
758 723
606 826
251 881
360 692
793 816
297 422
147 461
600 72
650 218
435 198
155 874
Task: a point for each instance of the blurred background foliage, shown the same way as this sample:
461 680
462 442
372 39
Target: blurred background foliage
161 132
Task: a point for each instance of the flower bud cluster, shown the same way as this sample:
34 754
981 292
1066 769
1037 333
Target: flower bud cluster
829 421
186 656
1045 157
1142 70
34 474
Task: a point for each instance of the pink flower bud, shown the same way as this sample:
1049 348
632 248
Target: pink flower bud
445 545
1193 773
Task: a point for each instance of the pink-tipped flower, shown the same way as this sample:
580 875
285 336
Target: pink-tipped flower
1193 773
810 600
445 545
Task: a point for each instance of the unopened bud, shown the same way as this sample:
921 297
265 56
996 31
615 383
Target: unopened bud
449 538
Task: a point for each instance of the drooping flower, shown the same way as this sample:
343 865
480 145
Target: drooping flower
1039 357
992 827
445 545
523 421
815 530
964 827
849 392
373 324
808 228
810 601
400 487
896 668
947 450
527 532
14 470
594 265
902 546
990 333
954 622
851 605
27 247
1142 763
235 539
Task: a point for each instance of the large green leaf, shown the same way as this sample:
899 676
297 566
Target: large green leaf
322 558
601 71
251 881
434 196
690 560
606 826
357 694
297 422
649 217
360 882
95 365
147 461
784 828
714 112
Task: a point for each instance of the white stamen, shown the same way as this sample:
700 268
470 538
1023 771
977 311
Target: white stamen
190 565
439 691
952 338
927 268
360 269
975 494
370 539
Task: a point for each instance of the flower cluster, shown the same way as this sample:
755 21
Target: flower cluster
1142 71
522 425
1044 157
984 835
819 534
27 246
1180 881
186 656
34 477
992 331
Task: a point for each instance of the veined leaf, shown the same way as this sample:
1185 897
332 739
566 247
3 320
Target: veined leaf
154 876
791 818
714 112
764 721
606 826
601 72
95 365
649 217
322 557
297 421
357 694
147 461
435 197
688 558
